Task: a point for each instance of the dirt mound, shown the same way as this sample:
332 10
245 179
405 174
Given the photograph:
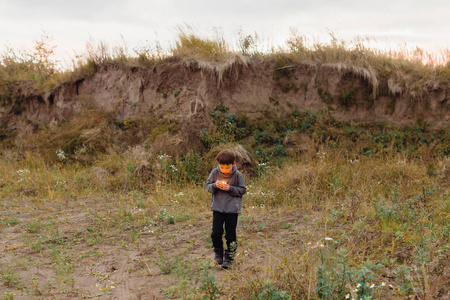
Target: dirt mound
189 91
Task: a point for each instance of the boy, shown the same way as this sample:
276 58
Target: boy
227 185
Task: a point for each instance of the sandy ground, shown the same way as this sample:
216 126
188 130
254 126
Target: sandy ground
82 251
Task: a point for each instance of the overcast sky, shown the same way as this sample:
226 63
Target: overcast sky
139 23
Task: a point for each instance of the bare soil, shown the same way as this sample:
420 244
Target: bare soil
69 263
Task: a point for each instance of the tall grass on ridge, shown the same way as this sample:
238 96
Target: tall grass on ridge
399 72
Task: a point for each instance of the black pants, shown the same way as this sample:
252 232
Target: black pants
230 221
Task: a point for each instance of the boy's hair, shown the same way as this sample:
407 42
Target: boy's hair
226 157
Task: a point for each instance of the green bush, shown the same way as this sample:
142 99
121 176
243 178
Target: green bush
270 292
337 278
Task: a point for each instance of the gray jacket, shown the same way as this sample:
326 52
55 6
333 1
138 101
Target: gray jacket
226 201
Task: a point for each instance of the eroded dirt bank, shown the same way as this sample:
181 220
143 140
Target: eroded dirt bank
189 90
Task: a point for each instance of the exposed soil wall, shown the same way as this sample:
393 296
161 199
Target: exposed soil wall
187 91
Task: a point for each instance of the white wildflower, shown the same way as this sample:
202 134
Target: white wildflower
137 210
23 174
60 154
83 149
328 239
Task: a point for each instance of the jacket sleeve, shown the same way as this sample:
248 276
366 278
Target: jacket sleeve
240 189
211 183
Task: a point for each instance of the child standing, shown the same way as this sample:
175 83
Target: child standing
227 186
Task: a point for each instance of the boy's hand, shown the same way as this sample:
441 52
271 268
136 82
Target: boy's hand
222 185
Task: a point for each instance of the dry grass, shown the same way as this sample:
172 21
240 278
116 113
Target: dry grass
211 56
348 202
399 72
384 219
83 137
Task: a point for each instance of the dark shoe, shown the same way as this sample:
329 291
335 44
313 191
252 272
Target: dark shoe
228 261
218 256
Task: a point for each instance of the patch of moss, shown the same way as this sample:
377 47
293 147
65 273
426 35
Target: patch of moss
391 105
325 95
347 98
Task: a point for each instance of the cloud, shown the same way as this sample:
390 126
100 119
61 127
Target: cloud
72 23
81 10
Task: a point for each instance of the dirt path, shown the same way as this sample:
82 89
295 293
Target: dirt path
80 251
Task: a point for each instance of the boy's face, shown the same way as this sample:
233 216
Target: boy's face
225 169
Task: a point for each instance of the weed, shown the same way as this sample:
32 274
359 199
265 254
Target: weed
207 283
229 128
62 264
7 295
336 279
97 239
222 108
166 265
405 280
269 291
34 226
9 279
11 222
171 219
287 225
194 281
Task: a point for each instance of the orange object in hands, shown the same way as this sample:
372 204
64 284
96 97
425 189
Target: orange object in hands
221 183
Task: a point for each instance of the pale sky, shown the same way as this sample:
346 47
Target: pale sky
139 23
